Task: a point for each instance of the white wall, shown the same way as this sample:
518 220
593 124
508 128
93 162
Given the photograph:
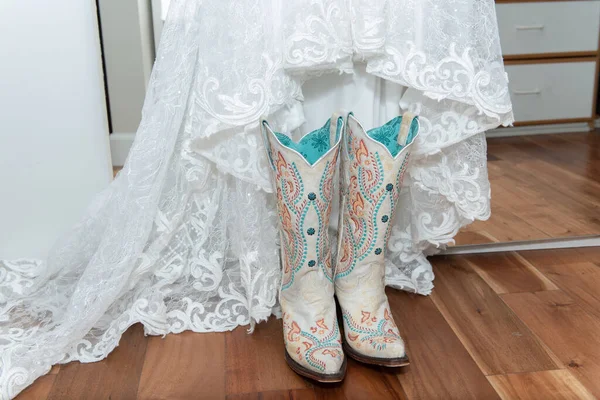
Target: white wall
54 152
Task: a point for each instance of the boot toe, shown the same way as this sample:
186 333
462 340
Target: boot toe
381 348
335 365
395 349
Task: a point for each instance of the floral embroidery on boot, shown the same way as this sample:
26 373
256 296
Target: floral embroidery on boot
373 165
303 175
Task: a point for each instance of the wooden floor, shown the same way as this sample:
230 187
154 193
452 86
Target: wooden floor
543 186
508 325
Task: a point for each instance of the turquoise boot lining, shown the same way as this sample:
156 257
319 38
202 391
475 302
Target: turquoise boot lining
387 134
313 145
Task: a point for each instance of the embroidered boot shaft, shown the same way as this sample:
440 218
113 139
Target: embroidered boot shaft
373 166
303 176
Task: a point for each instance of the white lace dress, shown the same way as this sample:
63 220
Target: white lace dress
185 237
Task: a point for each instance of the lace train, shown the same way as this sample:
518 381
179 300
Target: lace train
185 237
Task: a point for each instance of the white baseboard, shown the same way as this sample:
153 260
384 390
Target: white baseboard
120 143
545 244
540 129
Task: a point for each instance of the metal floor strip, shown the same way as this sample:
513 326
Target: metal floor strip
544 244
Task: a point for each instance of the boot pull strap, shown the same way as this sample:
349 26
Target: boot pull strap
264 128
332 140
333 136
407 120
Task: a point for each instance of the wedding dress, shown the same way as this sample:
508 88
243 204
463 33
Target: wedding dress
185 238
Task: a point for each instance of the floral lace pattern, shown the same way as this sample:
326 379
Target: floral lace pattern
185 238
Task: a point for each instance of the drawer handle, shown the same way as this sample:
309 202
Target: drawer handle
529 27
526 92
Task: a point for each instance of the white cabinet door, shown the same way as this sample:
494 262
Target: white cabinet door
563 90
54 153
549 27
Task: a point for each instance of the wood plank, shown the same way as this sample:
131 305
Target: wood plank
581 281
568 330
505 226
556 221
496 339
575 271
329 392
116 377
543 186
441 368
300 394
573 156
365 382
39 390
559 195
471 235
555 257
515 195
571 185
509 273
256 363
184 366
547 385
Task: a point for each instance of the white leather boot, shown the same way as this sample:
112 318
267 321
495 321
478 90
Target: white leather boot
303 176
371 174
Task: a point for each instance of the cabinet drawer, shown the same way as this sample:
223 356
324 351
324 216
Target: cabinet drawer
548 27
562 90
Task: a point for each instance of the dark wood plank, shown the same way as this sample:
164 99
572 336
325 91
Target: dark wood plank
256 363
509 273
299 394
184 366
441 368
496 339
365 382
39 390
547 385
568 330
329 392
116 377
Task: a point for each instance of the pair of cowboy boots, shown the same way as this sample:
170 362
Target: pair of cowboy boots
372 165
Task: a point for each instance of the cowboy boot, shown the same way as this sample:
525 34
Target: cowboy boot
373 165
303 176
